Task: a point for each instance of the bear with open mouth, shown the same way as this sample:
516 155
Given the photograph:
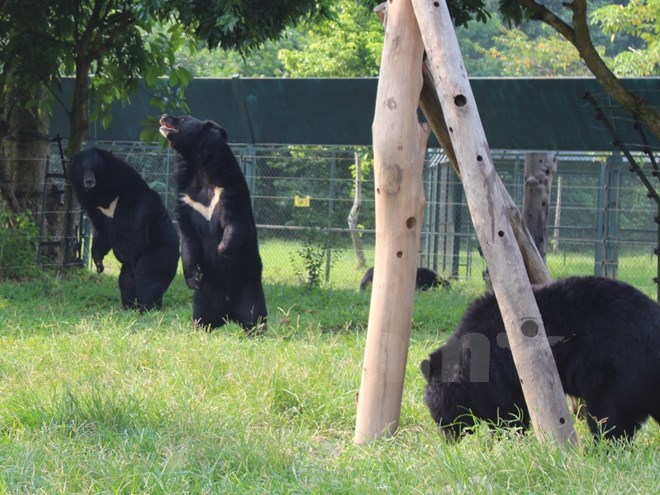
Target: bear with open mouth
219 246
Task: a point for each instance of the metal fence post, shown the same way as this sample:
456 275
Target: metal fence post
432 222
331 202
606 254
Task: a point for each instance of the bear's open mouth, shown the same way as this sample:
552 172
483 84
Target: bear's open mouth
166 129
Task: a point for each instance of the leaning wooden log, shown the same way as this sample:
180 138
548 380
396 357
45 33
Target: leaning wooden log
399 143
430 106
529 345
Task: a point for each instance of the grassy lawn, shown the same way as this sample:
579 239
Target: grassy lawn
94 399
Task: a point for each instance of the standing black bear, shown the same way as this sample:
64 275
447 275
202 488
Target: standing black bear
129 218
219 248
605 338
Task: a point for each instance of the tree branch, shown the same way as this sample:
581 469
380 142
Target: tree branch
543 14
580 38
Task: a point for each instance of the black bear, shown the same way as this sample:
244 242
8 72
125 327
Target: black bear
129 218
426 279
605 338
219 248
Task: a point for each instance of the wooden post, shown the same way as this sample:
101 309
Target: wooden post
399 143
529 345
555 234
354 214
540 168
430 105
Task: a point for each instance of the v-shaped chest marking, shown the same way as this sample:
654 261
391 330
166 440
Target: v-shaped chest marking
202 209
110 210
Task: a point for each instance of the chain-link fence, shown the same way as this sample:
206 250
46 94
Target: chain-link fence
601 220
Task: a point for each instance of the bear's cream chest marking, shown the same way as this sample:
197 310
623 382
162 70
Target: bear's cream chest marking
110 210
205 211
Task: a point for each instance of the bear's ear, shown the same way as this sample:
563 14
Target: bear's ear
425 366
214 125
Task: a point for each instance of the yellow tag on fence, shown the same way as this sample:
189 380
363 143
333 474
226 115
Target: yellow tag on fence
301 201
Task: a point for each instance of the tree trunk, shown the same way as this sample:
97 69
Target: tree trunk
354 214
79 109
399 143
23 153
539 170
529 345
79 125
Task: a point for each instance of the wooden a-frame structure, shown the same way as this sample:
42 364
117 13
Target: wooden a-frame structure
440 86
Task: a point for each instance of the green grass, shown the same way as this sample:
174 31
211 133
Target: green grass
634 266
94 399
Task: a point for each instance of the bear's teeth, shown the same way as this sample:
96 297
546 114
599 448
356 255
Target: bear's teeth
164 130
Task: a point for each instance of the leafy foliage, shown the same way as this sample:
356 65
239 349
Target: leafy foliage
348 44
18 241
244 24
520 55
310 258
639 18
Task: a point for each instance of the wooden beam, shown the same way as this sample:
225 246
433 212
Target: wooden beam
399 143
524 327
430 106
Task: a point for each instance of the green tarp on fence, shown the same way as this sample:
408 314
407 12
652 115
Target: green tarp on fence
517 114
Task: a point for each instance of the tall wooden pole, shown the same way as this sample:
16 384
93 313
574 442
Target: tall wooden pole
529 345
399 143
430 106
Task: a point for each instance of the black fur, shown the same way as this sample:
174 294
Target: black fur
219 247
605 338
426 279
140 232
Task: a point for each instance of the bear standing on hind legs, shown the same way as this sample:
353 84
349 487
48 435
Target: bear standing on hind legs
129 218
219 248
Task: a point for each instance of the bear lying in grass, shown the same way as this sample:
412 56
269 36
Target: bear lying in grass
219 248
425 279
605 338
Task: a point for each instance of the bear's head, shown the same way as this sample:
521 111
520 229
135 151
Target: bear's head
88 168
447 396
186 133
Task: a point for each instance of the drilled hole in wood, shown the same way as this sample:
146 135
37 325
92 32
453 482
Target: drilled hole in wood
480 158
501 233
530 328
451 129
562 421
378 190
399 254
460 100
436 4
410 223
